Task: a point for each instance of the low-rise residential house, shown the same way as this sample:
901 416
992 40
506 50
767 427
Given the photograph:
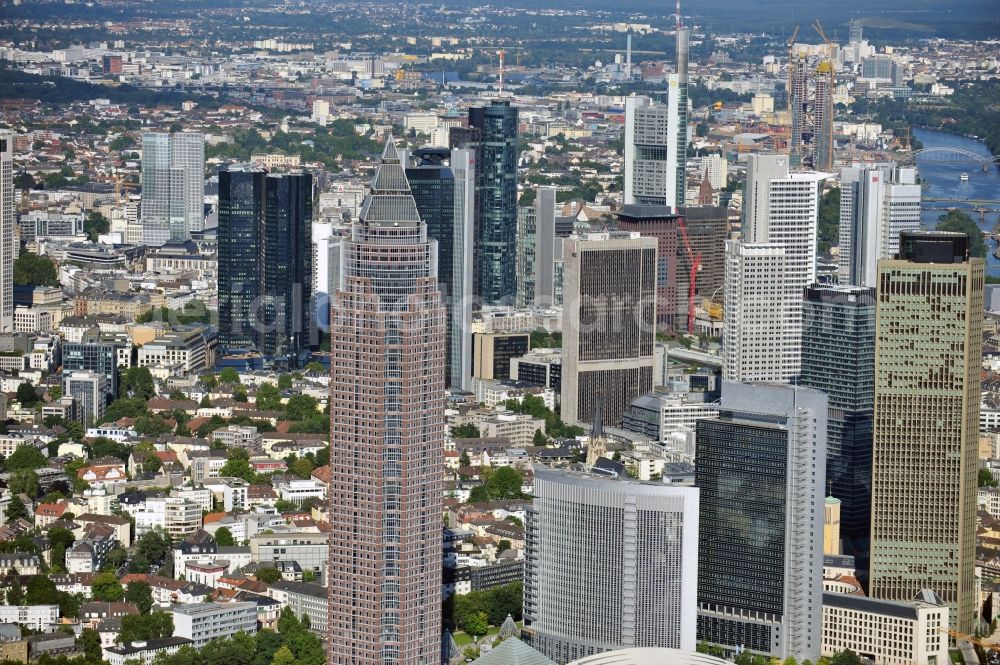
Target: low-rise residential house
89 554
297 490
94 612
51 644
203 622
230 492
304 599
144 652
119 526
36 617
206 464
22 563
206 572
47 513
103 473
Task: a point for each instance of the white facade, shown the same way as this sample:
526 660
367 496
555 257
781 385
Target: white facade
651 146
178 516
885 632
37 617
782 208
8 251
876 204
203 622
173 186
756 343
609 563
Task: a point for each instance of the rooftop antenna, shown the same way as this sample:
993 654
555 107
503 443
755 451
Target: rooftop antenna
678 14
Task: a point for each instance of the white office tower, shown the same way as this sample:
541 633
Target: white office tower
609 564
326 280
757 341
654 149
877 202
781 208
173 186
8 252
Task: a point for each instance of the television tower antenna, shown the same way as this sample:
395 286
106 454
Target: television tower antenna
678 15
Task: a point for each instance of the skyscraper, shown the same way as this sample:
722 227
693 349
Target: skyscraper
609 326
241 212
928 354
387 435
659 222
838 357
781 207
756 343
8 252
759 470
877 203
679 98
609 563
285 267
442 182
651 150
87 390
492 133
98 356
173 186
265 263
536 238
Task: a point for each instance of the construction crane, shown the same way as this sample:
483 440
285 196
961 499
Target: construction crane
791 48
818 27
972 639
695 261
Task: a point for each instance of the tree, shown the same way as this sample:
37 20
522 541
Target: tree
61 540
284 382
845 657
268 575
15 592
505 483
960 222
268 398
153 546
463 459
16 509
24 481
125 407
34 270
95 224
140 594
308 576
479 494
41 591
210 381
986 478
301 467
475 623
224 537
316 367
503 546
238 468
26 394
283 656
146 627
106 587
137 382
539 439
240 394
90 643
25 457
465 431
229 375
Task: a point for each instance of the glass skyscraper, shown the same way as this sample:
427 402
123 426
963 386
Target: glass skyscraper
265 263
838 357
173 186
442 182
759 469
492 133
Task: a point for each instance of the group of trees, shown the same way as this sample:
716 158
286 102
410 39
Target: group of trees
34 270
535 406
475 612
829 219
326 144
193 311
500 484
956 220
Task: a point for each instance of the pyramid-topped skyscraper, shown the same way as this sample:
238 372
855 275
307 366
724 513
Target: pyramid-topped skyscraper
386 435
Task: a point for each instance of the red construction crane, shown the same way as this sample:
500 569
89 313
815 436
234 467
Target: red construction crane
695 261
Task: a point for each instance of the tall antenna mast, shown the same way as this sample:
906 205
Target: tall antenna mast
678 14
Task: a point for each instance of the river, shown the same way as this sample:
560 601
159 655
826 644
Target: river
944 183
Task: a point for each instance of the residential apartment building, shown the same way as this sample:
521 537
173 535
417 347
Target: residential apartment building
203 622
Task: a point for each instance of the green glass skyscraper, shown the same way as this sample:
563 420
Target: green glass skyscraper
492 133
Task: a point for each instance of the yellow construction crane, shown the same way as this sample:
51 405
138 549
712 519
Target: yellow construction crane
962 637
